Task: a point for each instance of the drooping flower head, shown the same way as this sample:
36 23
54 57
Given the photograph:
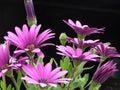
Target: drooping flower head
44 75
104 72
29 40
106 51
82 29
4 58
76 53
83 43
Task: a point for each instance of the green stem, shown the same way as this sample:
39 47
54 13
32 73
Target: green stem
4 80
99 65
94 86
31 56
14 82
25 85
73 71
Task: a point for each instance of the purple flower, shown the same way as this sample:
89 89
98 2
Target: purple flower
18 63
44 75
76 53
82 29
83 43
4 58
104 72
30 12
7 62
106 51
29 40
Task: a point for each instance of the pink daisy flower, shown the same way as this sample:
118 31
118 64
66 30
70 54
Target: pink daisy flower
44 75
82 29
6 61
105 50
83 43
76 53
4 58
28 40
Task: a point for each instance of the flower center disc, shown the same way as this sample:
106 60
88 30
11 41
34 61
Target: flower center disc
31 47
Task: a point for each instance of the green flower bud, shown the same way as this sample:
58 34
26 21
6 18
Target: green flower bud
63 38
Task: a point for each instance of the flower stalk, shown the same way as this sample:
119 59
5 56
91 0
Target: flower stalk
14 82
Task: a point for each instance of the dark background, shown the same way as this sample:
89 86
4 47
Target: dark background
50 13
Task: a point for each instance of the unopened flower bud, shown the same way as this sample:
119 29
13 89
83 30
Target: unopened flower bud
29 7
63 38
104 72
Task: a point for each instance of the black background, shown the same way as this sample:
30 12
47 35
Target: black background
50 13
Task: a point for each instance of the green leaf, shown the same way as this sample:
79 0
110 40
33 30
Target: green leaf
79 82
10 87
13 88
84 80
19 80
56 64
70 69
66 64
79 69
75 84
53 88
2 85
31 87
51 60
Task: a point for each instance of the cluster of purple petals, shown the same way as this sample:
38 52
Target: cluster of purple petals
104 72
83 29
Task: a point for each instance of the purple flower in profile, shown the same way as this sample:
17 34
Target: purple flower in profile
82 29
4 58
76 53
104 72
106 51
29 40
44 75
83 43
29 7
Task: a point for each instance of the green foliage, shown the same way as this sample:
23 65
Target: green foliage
40 60
2 85
79 69
10 87
19 80
94 86
52 88
66 64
